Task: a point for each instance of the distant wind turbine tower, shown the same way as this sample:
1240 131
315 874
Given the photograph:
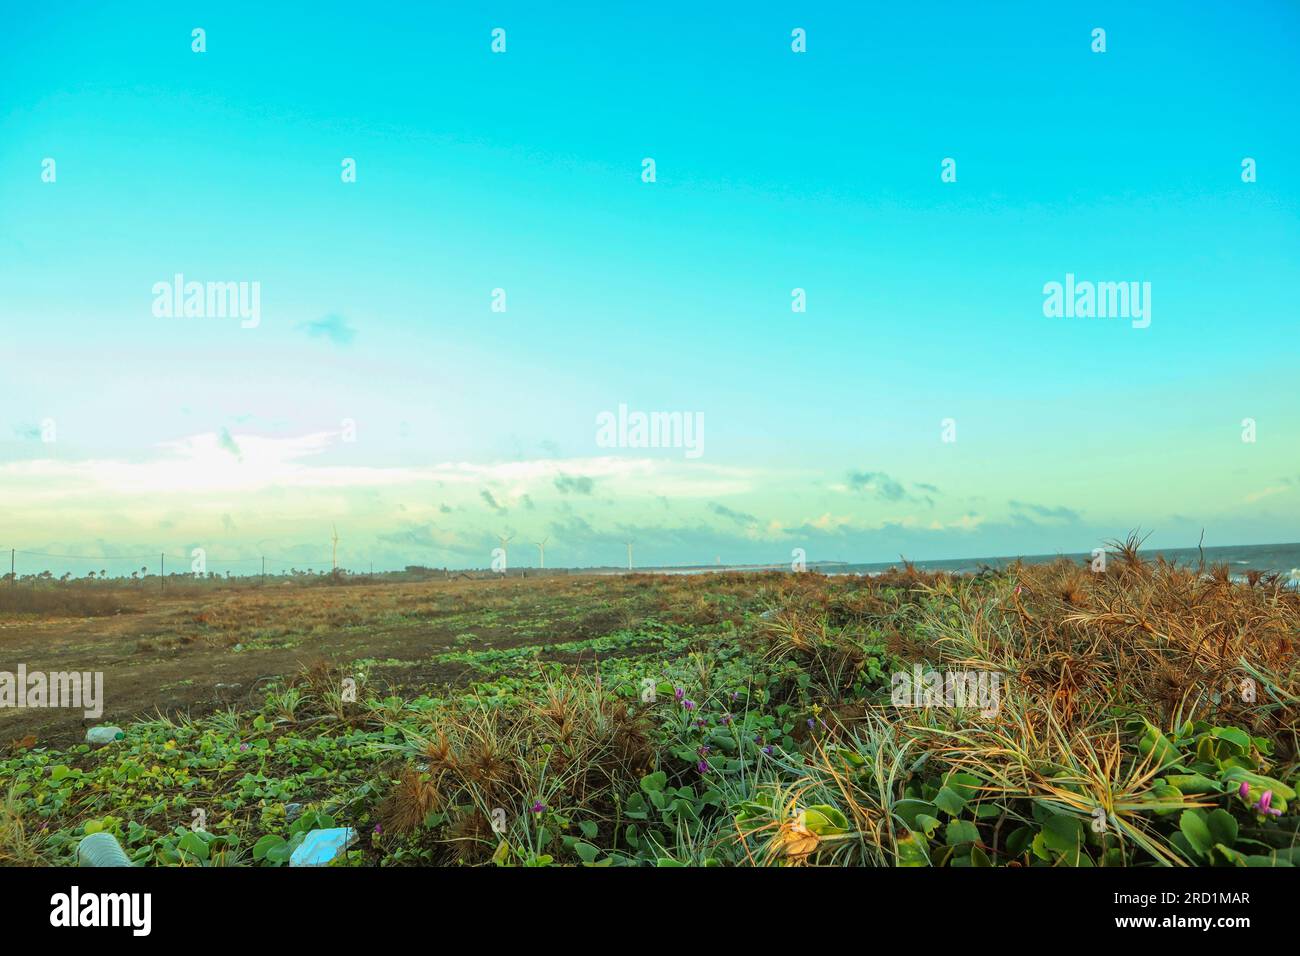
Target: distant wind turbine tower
541 552
629 554
335 540
505 554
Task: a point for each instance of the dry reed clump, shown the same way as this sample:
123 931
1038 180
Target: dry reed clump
839 661
574 747
1167 641
19 846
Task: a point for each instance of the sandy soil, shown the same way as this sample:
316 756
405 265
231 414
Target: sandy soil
199 652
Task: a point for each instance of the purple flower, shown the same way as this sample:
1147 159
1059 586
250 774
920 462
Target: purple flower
688 704
735 695
768 750
811 725
703 766
538 807
679 693
1265 804
703 750
243 747
726 719
378 830
1244 790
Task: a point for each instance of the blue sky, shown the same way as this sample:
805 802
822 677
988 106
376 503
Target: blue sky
522 171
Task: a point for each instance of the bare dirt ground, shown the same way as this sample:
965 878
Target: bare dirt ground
209 648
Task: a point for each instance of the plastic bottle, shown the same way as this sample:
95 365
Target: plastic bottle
101 849
103 735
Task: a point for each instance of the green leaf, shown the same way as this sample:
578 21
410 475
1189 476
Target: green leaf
654 782
964 784
910 810
1039 846
1192 783
264 845
910 851
194 845
1233 735
1019 839
961 831
1222 826
1063 834
949 801
589 829
1155 743
280 853
1194 828
1231 855
586 852
926 824
825 820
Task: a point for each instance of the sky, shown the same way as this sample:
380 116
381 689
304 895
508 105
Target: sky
922 404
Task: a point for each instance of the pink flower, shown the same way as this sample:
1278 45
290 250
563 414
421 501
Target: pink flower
1265 804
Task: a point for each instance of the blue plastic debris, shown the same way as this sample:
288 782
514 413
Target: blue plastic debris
321 846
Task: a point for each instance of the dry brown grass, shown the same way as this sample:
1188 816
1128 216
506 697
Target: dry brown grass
1172 642
574 747
63 601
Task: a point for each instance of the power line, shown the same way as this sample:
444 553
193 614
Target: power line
147 557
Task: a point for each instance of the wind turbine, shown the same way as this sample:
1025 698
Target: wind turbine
541 551
629 554
504 553
335 539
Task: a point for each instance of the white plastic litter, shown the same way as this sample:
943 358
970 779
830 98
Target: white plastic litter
101 849
322 846
103 735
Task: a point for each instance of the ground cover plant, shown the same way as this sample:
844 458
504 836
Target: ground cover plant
1146 715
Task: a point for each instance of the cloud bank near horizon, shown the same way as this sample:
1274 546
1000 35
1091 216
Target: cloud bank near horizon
240 495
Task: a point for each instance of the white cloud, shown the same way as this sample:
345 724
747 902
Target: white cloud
204 464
